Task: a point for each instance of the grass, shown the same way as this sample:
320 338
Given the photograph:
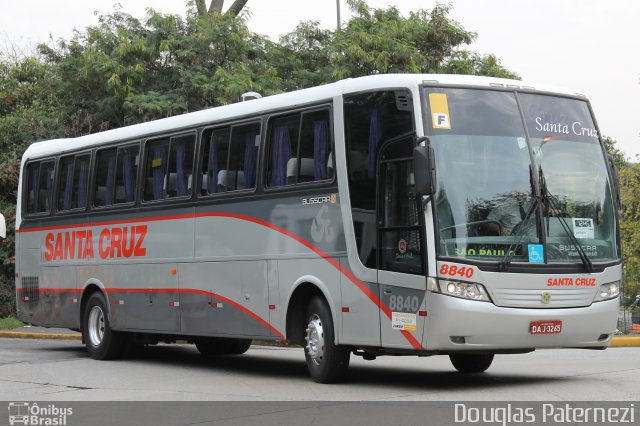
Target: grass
10 322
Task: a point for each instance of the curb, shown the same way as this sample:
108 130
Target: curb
616 342
625 342
49 336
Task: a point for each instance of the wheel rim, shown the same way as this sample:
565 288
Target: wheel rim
315 339
96 326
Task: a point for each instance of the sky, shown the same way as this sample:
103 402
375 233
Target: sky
592 47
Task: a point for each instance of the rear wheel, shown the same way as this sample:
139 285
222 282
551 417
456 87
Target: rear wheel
326 362
471 363
101 341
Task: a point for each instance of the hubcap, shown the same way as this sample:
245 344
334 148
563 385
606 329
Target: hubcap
96 326
315 339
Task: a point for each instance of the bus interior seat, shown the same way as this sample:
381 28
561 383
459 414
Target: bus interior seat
230 180
307 170
172 190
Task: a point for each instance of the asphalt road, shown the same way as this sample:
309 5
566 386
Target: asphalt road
47 370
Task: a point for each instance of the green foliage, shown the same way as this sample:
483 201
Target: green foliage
10 322
618 157
630 231
629 180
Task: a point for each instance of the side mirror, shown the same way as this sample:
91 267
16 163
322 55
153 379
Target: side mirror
3 227
424 170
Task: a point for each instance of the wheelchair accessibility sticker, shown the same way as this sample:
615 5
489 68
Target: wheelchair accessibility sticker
536 253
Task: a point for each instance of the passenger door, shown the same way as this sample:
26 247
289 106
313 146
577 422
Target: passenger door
401 262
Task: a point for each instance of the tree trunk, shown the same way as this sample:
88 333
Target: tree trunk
236 7
217 5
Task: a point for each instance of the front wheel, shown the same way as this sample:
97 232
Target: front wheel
101 341
327 363
471 363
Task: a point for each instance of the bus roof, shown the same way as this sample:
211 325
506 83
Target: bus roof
270 103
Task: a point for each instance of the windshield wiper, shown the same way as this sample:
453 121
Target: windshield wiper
551 201
520 233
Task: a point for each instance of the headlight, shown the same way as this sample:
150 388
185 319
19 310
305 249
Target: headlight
608 291
471 291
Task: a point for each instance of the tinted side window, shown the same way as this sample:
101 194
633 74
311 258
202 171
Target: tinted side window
314 161
116 172
73 182
243 159
126 174
371 119
105 177
215 156
281 164
169 167
299 149
39 187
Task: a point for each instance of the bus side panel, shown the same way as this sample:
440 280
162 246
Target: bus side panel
152 296
360 314
224 298
58 297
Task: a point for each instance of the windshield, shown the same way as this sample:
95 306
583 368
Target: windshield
493 167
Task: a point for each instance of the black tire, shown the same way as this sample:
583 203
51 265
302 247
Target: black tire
240 346
216 346
471 363
100 340
327 363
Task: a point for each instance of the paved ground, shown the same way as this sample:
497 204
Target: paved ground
57 370
32 332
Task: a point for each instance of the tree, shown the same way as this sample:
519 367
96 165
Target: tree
380 41
629 181
215 7
630 232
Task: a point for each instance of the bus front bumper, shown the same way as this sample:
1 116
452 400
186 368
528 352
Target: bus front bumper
463 325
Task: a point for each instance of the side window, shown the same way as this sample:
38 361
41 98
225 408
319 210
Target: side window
126 174
240 172
105 177
116 171
181 166
299 149
371 119
215 156
169 167
73 182
313 161
281 165
39 187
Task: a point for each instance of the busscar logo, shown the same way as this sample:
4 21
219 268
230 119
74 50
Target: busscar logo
31 414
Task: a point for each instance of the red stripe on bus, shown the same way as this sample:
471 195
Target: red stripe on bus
370 294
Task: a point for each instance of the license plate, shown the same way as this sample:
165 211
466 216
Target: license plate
545 327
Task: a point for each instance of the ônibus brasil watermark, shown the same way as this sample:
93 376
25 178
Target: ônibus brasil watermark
31 414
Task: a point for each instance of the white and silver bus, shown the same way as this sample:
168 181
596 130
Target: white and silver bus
384 215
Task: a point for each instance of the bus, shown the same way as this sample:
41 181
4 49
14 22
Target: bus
384 215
